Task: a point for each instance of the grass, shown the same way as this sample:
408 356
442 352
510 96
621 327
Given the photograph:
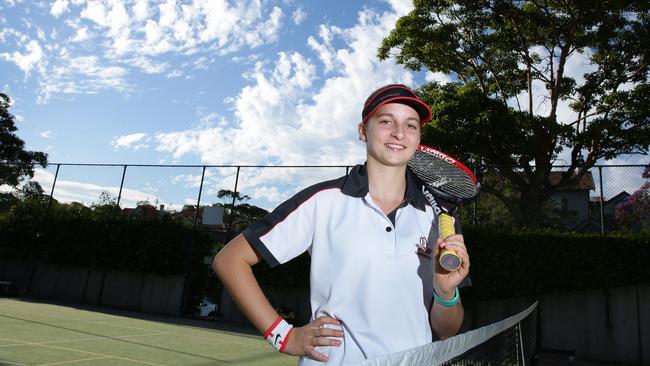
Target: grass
33 333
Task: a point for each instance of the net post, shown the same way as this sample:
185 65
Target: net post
119 195
198 201
602 198
49 201
232 209
521 345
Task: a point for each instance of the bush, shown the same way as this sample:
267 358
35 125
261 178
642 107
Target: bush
507 264
75 235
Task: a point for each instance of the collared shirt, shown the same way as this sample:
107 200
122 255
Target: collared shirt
372 273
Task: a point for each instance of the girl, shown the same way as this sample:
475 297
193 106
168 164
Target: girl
375 285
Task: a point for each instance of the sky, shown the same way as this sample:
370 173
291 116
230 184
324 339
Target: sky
218 82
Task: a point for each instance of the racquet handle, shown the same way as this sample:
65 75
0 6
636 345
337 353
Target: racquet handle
449 260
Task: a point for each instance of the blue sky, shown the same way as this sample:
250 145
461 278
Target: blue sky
196 82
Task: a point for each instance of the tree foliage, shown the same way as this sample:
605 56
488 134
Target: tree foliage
509 62
634 212
15 162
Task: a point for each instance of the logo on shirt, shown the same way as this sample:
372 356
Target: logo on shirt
423 249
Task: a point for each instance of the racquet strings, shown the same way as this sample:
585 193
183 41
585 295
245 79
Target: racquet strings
443 175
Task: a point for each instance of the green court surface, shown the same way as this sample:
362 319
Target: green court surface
33 333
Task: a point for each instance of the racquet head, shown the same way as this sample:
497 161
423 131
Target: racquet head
446 178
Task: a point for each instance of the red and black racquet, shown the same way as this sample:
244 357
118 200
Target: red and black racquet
447 183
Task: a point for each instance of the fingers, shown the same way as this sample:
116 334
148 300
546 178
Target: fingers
325 320
311 353
325 331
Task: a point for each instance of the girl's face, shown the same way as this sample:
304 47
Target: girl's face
392 134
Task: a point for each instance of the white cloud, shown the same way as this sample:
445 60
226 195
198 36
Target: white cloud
144 34
310 123
45 134
88 193
175 74
438 77
59 7
298 16
80 35
81 75
134 141
31 58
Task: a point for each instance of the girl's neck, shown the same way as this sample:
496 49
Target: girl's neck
387 185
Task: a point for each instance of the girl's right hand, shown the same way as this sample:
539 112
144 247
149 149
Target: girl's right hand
304 340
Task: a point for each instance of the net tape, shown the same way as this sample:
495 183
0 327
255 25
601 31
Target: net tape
442 352
442 175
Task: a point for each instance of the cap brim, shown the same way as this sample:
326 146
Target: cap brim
420 107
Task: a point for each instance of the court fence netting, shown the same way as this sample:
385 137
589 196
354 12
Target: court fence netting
511 341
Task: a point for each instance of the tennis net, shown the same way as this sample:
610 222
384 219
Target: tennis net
508 342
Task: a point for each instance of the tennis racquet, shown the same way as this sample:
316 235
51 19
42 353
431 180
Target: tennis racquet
447 183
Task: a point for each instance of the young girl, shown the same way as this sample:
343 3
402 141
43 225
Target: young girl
375 285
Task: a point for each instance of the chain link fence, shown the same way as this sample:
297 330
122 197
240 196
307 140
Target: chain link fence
597 203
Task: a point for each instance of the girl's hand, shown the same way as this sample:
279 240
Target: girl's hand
304 340
445 282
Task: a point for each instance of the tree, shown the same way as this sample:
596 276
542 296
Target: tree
15 162
498 52
239 216
634 212
32 190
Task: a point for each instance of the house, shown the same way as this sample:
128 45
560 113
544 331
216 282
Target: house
570 205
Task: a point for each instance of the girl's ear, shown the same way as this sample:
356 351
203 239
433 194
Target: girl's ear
362 131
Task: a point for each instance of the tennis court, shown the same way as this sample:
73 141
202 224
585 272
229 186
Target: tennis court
33 333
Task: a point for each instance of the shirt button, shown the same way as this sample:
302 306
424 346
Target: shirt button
389 229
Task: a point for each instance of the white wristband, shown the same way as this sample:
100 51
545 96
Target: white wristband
278 334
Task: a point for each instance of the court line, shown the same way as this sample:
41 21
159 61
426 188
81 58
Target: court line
5 362
210 331
117 339
82 351
73 361
89 339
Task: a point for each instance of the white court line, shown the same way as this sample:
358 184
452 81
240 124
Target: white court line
73 361
87 339
4 362
82 351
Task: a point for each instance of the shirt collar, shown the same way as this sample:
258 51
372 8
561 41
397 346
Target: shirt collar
356 185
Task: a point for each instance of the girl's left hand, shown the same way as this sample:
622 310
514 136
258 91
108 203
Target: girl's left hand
445 282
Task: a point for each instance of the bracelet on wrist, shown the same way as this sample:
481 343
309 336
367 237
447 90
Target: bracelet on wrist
447 303
278 334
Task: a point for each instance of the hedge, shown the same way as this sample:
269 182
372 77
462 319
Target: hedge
510 264
136 245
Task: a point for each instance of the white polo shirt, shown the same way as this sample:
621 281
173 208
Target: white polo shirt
372 272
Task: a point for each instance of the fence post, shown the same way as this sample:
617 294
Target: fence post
232 209
602 198
198 201
49 202
119 196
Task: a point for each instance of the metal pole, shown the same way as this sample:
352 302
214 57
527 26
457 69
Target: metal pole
474 212
638 325
232 209
119 196
49 202
602 198
198 201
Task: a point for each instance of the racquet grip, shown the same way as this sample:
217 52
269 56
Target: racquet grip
449 260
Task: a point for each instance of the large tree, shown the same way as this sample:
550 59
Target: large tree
508 64
16 163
